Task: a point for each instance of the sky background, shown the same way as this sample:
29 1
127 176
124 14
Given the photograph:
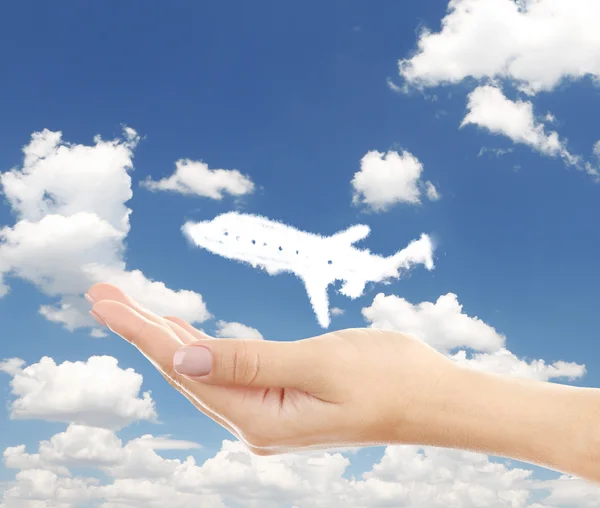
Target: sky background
293 97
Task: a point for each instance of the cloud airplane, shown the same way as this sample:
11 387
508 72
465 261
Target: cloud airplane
316 260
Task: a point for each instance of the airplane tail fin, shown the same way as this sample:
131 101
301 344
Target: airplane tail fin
417 252
317 294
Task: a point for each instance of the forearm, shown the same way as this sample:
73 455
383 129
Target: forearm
548 424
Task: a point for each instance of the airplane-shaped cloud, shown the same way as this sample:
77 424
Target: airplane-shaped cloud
316 260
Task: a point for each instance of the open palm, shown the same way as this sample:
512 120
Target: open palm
327 391
259 416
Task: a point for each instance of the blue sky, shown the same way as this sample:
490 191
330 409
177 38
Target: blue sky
294 97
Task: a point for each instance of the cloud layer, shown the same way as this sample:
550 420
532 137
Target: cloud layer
134 473
70 202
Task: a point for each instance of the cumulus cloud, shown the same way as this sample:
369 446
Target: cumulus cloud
506 363
336 311
134 474
386 179
410 476
237 331
96 392
195 178
70 202
571 491
550 41
489 108
445 326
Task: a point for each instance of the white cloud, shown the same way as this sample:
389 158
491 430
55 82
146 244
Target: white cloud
12 366
597 149
335 311
165 443
41 488
490 109
498 152
70 203
316 260
15 457
570 491
386 179
195 178
237 331
442 324
135 475
412 476
506 363
432 192
96 392
548 41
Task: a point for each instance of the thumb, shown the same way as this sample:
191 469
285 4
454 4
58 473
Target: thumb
251 363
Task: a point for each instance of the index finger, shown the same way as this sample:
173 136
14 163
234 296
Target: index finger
158 344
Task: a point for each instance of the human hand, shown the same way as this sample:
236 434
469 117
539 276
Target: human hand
353 387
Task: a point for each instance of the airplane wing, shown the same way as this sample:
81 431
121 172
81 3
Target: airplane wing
317 294
353 234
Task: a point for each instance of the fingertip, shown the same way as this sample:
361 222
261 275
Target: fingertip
104 291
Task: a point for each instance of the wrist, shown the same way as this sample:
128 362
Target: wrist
548 424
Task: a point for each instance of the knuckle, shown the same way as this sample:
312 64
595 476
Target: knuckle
246 365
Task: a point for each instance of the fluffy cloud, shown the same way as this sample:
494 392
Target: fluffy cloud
386 179
336 311
570 491
442 324
550 40
504 362
195 178
412 476
134 474
445 326
237 331
96 392
490 109
70 203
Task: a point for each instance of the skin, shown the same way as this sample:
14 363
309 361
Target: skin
362 387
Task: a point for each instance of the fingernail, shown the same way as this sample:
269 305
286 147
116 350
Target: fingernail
90 300
97 317
193 361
